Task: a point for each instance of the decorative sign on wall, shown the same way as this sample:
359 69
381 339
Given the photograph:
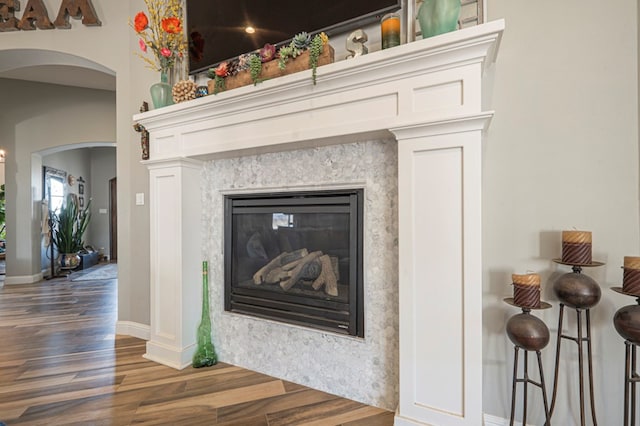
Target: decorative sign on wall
35 15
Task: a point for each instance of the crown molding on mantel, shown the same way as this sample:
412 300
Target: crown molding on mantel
428 96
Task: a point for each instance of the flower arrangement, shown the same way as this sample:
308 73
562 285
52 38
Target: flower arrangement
161 31
302 42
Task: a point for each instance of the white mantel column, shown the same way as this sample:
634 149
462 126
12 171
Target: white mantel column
176 283
440 279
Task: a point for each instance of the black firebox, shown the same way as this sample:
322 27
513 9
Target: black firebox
296 257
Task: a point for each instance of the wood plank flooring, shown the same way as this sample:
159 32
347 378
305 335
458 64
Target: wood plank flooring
62 364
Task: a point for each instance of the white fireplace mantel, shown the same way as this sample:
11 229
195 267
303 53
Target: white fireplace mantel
428 95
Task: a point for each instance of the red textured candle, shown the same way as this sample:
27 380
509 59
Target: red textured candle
576 247
631 275
526 290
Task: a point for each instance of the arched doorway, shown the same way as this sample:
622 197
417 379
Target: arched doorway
59 102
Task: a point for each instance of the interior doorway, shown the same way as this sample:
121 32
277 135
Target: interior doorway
83 171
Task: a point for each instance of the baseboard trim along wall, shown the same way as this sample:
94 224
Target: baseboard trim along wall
133 329
23 279
498 421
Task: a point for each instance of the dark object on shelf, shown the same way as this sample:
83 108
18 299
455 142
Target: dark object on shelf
88 260
580 292
202 91
529 333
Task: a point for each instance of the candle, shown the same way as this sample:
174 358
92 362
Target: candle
526 290
576 247
390 26
526 279
631 275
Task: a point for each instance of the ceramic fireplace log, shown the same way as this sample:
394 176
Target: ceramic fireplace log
282 259
327 277
282 273
297 272
277 275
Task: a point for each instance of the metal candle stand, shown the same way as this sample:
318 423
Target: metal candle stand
529 333
627 322
581 293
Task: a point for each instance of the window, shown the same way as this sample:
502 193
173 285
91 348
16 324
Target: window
54 188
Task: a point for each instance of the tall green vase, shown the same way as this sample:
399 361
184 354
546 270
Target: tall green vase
205 355
438 17
161 95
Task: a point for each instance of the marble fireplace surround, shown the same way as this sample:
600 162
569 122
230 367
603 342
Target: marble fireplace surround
427 95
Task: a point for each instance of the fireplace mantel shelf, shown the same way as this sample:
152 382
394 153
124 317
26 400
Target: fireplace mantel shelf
427 95
425 82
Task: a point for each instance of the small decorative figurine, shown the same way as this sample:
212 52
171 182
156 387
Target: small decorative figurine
355 44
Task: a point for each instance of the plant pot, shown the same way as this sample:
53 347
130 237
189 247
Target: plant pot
69 260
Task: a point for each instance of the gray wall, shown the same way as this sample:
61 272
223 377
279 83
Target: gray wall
561 152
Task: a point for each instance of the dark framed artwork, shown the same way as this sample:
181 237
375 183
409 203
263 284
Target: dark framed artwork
81 201
80 188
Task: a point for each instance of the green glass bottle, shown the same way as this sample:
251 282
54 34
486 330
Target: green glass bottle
205 355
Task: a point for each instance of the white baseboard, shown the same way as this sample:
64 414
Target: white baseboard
498 421
134 329
23 279
489 420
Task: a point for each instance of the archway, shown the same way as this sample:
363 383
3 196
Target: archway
48 115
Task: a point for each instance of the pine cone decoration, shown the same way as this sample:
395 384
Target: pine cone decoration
184 90
301 41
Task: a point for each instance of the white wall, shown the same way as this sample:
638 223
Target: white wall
561 152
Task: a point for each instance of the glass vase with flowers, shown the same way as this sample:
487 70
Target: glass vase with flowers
161 33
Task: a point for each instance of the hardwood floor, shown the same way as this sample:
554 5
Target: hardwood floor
61 364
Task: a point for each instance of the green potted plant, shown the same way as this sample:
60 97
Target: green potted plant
69 226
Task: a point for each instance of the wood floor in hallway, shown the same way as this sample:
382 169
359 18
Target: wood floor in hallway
62 364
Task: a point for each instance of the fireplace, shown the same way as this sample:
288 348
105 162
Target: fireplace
423 202
296 257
